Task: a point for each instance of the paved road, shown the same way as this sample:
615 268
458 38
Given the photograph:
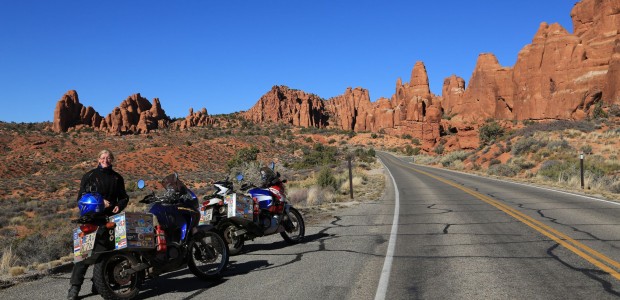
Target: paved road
467 237
457 237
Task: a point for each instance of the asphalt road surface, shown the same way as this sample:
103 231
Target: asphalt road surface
435 234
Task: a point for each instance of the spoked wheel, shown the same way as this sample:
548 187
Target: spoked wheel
294 226
235 243
113 276
208 255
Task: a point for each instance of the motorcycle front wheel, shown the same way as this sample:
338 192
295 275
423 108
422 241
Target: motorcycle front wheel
110 277
208 255
294 226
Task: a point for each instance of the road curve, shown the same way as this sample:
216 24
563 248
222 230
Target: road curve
463 236
455 236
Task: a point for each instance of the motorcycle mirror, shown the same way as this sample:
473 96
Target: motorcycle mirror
141 184
239 177
272 165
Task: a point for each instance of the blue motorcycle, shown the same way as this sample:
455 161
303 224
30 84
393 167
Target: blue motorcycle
130 247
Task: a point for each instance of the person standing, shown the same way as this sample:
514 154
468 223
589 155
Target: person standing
111 185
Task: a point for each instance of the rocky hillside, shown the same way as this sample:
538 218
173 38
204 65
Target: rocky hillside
559 76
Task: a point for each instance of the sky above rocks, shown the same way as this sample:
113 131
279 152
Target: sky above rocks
224 55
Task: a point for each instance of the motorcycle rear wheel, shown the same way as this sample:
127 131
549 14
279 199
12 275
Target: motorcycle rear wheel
295 227
208 255
109 281
235 243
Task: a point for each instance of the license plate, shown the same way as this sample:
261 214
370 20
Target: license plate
206 216
209 214
88 242
83 246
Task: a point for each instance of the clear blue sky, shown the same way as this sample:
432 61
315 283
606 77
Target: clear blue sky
224 55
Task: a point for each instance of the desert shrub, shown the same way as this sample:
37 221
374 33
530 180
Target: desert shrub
37 248
319 155
564 170
559 125
557 170
298 196
409 150
526 145
598 112
494 161
318 195
586 149
490 132
559 145
326 178
523 164
503 170
450 158
365 156
243 155
439 149
615 187
614 110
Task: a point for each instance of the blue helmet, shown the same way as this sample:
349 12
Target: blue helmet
91 203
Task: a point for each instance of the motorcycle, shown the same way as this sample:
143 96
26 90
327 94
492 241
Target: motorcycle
130 247
255 212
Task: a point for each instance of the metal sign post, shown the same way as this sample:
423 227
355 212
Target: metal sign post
581 163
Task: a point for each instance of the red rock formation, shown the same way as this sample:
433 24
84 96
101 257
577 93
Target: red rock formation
135 114
282 104
196 119
558 76
411 110
350 110
70 112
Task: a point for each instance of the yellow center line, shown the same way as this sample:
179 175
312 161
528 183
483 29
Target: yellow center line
576 247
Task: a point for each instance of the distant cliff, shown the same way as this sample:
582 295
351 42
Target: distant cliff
558 76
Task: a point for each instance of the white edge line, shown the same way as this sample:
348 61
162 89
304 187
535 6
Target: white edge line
389 255
518 183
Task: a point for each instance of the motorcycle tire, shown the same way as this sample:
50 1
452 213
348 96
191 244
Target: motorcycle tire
208 255
108 280
235 244
295 229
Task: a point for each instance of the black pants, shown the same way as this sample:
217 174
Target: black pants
78 273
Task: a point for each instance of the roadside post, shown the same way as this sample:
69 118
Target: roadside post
349 158
581 163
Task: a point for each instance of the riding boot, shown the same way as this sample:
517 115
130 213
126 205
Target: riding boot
93 289
74 291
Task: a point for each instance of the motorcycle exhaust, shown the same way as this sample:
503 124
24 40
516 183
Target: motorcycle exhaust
240 232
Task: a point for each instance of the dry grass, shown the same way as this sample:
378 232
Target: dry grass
16 271
7 260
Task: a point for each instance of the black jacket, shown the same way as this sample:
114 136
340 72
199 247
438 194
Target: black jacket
109 184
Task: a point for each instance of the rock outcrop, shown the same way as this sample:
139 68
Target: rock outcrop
282 104
70 113
558 76
410 111
196 119
134 115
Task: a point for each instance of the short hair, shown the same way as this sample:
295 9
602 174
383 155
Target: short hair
105 151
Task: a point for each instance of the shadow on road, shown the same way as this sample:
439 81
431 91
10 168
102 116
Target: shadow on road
176 282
